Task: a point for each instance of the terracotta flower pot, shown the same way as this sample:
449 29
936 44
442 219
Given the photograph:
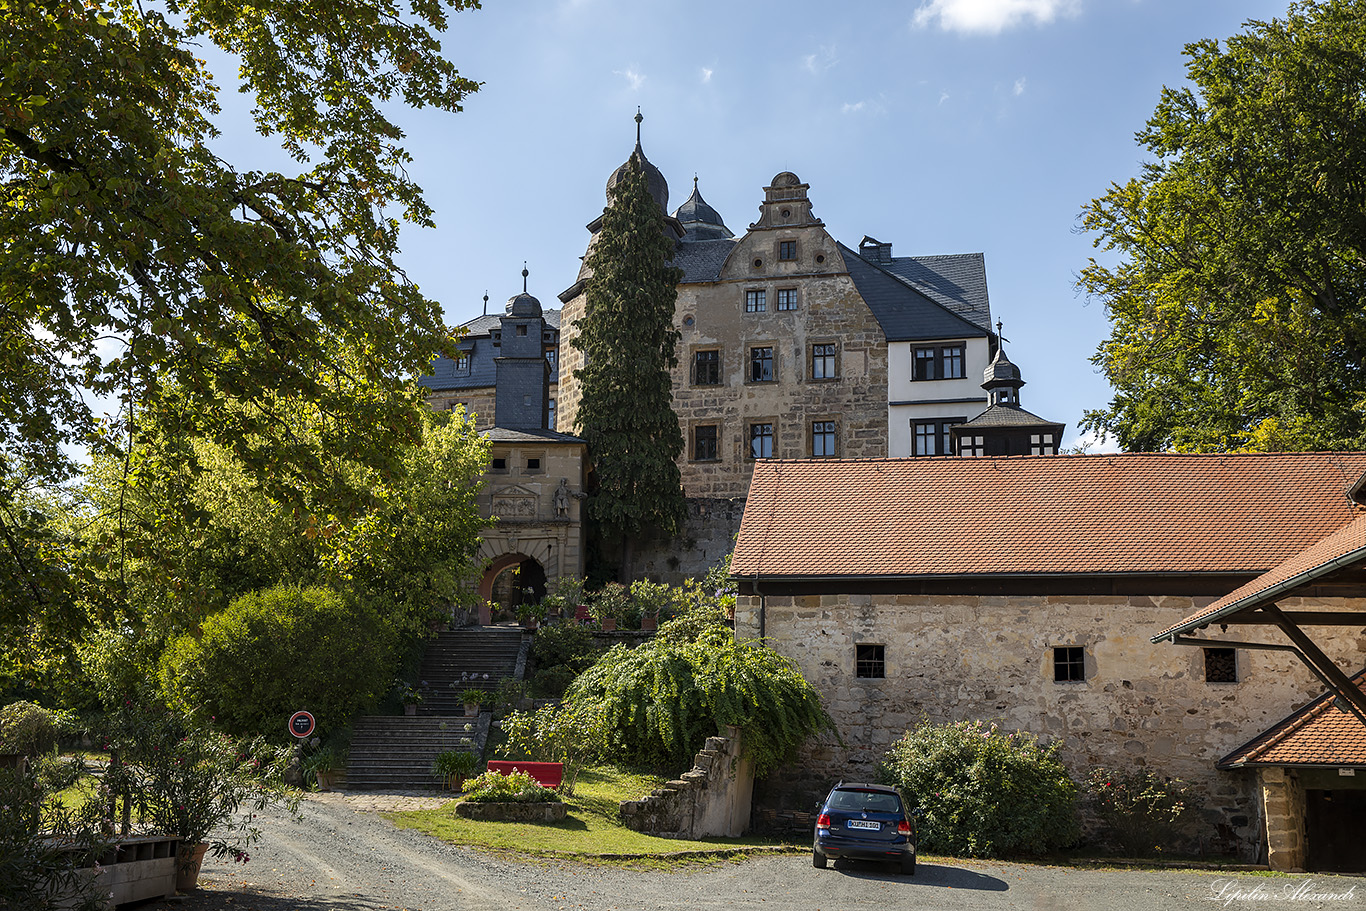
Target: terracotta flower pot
410 709
191 857
649 621
608 624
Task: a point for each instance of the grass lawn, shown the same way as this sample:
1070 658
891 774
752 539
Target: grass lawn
591 831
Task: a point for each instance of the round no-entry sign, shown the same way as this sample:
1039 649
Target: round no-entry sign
301 724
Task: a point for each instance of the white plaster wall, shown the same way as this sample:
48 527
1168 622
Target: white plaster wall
901 388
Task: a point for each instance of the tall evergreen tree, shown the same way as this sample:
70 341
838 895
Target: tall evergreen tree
629 344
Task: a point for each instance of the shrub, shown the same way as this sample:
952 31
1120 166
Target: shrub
982 792
1142 813
613 601
519 787
273 652
571 734
653 598
551 682
44 845
662 699
454 764
30 729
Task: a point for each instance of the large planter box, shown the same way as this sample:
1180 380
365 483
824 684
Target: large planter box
551 811
136 869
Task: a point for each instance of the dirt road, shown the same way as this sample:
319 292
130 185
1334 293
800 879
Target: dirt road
342 858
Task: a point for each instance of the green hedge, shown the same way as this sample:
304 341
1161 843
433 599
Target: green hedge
271 653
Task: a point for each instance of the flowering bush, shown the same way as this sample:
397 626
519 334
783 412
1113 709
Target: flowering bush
572 734
982 792
1142 813
519 787
44 845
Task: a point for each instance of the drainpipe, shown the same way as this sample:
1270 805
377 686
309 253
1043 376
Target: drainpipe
761 607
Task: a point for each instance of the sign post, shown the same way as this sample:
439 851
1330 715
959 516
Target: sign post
301 724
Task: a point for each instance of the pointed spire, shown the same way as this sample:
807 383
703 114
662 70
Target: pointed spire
639 118
1001 339
486 301
525 273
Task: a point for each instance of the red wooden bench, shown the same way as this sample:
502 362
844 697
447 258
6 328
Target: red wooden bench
547 774
582 614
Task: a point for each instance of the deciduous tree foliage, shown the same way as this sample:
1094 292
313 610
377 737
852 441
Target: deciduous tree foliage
1237 304
630 344
207 301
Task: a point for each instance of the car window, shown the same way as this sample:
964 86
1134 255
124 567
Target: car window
874 801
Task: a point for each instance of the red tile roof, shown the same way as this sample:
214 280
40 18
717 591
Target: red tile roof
1090 515
1344 547
1318 734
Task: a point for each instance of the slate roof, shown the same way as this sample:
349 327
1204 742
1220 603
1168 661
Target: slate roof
701 260
956 281
1344 546
1141 513
479 342
507 435
904 312
1004 415
1317 735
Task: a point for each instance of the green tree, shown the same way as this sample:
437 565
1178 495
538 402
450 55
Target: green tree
629 345
1237 308
207 302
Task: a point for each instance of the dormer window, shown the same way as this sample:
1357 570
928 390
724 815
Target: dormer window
462 363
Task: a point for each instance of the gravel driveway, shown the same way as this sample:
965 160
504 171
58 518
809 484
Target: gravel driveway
344 857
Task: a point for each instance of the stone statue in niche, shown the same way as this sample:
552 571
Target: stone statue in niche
562 498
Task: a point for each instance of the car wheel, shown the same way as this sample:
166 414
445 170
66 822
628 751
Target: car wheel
818 860
908 864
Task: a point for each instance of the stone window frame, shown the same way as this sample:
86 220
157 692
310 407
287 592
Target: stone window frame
787 250
787 305
500 456
870 661
834 431
1069 664
537 456
693 440
772 350
1231 656
833 355
720 359
772 424
756 300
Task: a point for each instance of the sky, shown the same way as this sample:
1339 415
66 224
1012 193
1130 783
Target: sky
940 126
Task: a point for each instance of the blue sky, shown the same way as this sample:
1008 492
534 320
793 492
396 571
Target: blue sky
942 126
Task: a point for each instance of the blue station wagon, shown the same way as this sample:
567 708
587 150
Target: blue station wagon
865 822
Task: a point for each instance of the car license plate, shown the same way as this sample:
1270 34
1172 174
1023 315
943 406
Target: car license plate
864 824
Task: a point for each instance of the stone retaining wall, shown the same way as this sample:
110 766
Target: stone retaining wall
551 811
712 798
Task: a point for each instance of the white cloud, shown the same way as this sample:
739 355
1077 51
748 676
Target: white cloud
943 97
852 108
822 60
706 75
1091 444
990 16
632 76
1019 88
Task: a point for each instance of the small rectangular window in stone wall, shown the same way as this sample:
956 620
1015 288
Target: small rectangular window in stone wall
870 661
1221 665
1069 663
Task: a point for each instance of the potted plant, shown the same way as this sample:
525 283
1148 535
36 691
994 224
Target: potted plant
325 768
472 699
411 697
204 786
652 599
531 615
453 766
611 605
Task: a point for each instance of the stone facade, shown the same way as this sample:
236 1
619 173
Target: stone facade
1283 809
961 657
477 402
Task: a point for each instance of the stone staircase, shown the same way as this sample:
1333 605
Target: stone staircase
395 752
473 656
